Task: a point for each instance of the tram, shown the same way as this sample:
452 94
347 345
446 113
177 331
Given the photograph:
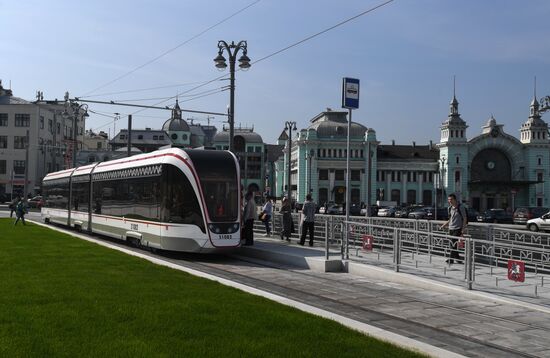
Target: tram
171 199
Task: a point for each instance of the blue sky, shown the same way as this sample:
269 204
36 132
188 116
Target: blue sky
405 55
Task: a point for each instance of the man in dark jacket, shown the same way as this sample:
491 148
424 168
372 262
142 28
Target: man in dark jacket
457 223
308 212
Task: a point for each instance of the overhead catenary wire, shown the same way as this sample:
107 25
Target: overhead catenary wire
174 48
287 47
310 37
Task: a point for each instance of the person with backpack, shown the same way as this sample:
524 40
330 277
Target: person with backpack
457 224
20 211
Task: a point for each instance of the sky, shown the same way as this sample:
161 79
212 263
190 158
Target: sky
405 54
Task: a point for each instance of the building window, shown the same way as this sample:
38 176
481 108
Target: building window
356 175
22 120
361 153
50 126
3 119
19 166
457 159
41 122
99 145
174 136
123 136
539 160
19 142
161 137
141 136
58 128
3 141
323 174
339 153
539 177
339 175
2 167
155 137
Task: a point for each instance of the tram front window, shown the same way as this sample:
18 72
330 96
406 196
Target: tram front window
218 179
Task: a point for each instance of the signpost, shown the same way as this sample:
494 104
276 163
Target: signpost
350 100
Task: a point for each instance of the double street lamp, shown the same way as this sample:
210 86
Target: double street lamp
290 126
244 63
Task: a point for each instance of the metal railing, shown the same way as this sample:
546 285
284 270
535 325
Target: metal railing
419 245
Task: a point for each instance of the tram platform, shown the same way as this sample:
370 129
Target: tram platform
485 322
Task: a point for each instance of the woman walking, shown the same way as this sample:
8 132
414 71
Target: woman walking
286 210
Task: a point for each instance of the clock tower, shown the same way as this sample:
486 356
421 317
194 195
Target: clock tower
453 154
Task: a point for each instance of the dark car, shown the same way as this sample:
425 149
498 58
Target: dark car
420 213
495 216
402 212
442 214
525 213
354 209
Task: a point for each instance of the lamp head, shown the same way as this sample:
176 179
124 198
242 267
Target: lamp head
220 62
244 62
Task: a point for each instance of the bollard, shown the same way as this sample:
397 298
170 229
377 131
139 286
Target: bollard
468 262
396 249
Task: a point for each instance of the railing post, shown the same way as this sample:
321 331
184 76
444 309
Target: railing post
396 249
326 240
342 247
468 260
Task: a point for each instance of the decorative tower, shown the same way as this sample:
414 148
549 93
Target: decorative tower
453 153
534 135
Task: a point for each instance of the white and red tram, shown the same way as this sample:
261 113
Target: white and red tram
172 199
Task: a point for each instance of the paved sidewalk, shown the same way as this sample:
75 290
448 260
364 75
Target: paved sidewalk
472 323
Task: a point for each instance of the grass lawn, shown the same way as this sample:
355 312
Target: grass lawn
61 296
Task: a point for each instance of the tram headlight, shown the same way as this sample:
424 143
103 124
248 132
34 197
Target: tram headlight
217 231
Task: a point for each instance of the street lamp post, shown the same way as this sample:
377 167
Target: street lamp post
289 126
309 157
244 63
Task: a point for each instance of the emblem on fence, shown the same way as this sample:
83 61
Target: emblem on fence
367 242
516 270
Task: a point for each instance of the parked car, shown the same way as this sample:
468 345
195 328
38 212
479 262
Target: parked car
36 202
4 198
495 216
420 213
336 209
387 211
526 213
539 224
442 214
354 209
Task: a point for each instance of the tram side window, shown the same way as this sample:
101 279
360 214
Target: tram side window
81 196
180 202
136 198
56 195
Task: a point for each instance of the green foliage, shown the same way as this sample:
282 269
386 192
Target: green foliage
61 296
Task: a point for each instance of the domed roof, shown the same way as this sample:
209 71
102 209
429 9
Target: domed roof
335 128
175 125
249 136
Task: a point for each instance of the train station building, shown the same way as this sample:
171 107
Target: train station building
491 170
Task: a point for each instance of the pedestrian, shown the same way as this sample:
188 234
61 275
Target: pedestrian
308 213
20 211
267 211
13 204
249 215
286 210
457 224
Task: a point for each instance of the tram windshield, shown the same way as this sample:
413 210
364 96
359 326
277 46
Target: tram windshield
218 179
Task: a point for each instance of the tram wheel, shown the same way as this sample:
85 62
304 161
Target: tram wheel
533 227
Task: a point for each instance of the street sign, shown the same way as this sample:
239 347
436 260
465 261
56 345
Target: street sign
516 270
350 93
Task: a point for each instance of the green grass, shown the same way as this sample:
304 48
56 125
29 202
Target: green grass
61 296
